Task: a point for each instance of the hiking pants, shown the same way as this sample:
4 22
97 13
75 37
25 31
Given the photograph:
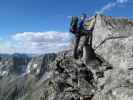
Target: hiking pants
82 40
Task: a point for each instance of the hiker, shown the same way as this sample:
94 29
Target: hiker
84 31
86 38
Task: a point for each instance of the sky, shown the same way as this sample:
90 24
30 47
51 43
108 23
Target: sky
42 26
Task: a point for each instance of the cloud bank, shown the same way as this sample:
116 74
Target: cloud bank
36 42
110 5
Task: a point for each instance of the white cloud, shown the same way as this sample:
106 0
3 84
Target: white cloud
110 5
122 1
38 42
107 7
5 47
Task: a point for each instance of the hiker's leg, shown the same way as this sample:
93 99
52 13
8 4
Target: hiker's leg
85 48
82 43
90 38
76 43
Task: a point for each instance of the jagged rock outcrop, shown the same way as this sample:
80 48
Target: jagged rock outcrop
39 64
118 85
71 79
116 38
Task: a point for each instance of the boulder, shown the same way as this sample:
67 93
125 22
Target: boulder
113 40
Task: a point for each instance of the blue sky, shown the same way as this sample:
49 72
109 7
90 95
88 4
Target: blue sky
48 17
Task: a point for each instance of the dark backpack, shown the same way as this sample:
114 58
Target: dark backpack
73 25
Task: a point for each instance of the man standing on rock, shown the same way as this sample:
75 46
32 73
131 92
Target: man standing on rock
83 34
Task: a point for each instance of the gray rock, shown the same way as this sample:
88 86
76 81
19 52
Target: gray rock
116 38
39 64
13 64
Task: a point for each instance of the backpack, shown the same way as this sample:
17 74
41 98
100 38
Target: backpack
89 24
73 25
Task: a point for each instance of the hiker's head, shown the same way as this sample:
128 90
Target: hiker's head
83 16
